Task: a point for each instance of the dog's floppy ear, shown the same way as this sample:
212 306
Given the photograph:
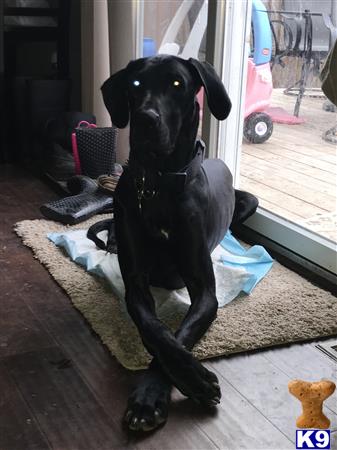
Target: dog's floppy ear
115 98
217 97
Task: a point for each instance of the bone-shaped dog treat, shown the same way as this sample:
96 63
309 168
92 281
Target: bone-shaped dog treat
312 396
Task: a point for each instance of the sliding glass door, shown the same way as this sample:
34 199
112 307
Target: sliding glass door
291 166
279 140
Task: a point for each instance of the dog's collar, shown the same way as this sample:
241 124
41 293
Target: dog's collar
148 186
176 181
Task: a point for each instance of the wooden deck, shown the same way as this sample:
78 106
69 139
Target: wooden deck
294 172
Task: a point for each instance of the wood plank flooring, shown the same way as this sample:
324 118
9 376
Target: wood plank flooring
294 172
61 389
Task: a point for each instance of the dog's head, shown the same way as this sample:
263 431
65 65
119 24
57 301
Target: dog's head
158 96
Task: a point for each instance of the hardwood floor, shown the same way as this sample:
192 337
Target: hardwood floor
294 172
61 389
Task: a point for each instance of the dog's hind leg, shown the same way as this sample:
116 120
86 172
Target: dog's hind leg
245 206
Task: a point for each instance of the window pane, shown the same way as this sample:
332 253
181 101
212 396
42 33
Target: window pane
289 148
182 25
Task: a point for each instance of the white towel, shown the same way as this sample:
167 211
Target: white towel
230 280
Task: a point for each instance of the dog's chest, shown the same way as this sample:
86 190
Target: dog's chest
156 216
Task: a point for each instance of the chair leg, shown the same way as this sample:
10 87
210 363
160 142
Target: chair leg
302 85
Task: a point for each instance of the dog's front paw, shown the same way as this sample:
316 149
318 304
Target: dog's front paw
193 379
148 404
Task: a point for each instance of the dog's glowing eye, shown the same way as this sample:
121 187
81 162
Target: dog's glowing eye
136 83
176 83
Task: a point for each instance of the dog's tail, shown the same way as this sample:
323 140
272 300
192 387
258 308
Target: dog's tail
103 225
245 206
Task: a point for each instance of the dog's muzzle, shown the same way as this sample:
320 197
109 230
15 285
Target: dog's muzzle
147 119
150 134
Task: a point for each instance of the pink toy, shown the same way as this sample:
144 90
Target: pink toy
259 87
259 115
258 125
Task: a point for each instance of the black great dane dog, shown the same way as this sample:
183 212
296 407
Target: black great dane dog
171 210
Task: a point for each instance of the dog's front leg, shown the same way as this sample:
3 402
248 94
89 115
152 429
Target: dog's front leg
148 404
196 269
171 360
189 242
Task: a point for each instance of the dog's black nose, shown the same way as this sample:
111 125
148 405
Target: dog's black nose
148 118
